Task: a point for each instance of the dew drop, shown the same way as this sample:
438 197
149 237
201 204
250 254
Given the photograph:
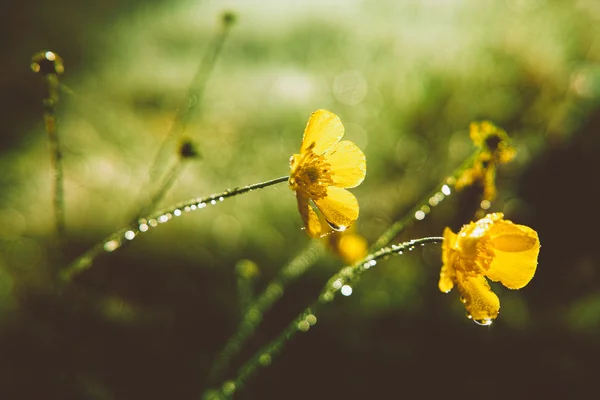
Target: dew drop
419 215
153 223
311 319
346 290
129 235
143 227
111 245
213 202
433 201
193 207
372 263
485 204
177 212
201 205
337 284
446 190
303 326
186 208
483 322
265 359
439 196
221 198
328 296
228 388
163 218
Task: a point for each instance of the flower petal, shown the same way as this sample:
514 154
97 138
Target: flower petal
309 216
447 274
323 130
348 164
481 303
339 207
516 249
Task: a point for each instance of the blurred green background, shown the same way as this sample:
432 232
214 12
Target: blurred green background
406 78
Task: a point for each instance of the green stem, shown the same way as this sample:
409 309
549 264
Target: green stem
129 232
56 154
273 292
307 318
423 206
194 100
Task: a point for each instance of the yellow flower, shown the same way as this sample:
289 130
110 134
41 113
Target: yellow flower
323 170
495 148
490 247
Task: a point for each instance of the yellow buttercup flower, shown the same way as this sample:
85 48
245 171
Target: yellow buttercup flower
323 171
495 148
491 247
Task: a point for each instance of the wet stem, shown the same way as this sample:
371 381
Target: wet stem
194 99
264 302
130 231
307 318
273 292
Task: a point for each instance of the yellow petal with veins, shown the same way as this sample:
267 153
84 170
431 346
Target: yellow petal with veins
323 130
347 163
447 274
339 207
481 303
309 216
516 249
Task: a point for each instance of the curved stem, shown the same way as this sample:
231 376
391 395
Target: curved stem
129 232
254 312
422 207
307 318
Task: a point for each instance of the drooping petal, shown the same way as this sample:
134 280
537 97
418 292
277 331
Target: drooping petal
348 164
447 274
309 216
516 249
481 303
323 130
339 207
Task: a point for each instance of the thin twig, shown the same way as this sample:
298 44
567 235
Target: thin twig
130 231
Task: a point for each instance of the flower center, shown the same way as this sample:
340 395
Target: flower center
310 174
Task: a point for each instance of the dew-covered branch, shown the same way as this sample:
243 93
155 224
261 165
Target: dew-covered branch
341 282
142 225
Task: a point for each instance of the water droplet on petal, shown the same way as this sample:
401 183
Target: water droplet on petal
483 322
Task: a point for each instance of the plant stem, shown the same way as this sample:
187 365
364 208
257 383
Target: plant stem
307 318
194 99
424 204
254 312
55 153
129 232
